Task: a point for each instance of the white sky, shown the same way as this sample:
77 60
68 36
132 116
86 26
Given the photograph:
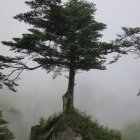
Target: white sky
109 96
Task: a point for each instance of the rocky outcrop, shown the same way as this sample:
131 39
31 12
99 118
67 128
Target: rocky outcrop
73 126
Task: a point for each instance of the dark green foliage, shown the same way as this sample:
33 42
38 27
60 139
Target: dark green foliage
63 36
5 133
131 131
81 124
71 31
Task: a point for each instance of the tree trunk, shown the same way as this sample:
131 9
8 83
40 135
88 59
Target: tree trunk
68 103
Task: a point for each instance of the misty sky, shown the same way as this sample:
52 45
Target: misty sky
109 96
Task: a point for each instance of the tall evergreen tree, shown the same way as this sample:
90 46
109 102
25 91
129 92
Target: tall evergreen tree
62 37
5 133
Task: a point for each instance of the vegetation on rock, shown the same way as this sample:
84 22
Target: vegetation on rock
80 123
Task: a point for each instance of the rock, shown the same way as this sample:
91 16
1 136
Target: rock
68 134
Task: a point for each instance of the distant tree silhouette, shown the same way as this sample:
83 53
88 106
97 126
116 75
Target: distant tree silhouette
5 133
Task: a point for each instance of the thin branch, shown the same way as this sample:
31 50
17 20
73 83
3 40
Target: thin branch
11 73
17 75
24 66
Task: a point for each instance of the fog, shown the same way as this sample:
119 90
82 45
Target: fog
108 96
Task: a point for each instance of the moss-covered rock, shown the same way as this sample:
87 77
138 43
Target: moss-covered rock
76 126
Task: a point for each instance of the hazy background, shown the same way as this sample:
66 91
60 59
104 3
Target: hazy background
109 96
